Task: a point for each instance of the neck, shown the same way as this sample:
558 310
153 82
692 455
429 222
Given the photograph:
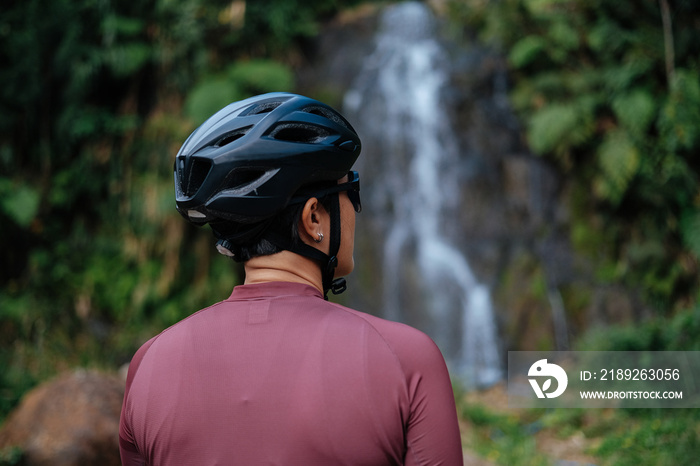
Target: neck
284 266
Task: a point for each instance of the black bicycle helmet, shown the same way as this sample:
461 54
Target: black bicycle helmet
244 164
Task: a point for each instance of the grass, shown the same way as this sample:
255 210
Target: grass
605 437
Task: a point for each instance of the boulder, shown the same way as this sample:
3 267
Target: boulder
69 421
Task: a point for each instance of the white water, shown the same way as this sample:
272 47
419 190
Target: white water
397 99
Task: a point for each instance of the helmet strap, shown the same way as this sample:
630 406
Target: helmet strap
339 285
328 262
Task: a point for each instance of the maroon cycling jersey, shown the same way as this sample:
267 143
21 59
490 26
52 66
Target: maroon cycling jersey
276 375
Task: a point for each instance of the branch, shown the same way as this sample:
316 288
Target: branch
668 41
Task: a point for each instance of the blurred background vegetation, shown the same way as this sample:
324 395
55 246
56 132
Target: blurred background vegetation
96 98
610 91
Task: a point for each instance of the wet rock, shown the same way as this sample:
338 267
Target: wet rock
69 421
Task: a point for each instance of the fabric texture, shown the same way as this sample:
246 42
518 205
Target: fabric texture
275 375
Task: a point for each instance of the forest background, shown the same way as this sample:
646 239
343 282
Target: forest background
96 98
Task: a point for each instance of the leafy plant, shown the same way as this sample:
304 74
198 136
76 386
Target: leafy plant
11 456
610 91
502 439
92 112
240 80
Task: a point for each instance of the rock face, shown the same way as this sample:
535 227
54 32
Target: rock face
69 421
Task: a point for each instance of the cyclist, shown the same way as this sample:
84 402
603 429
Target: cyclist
276 374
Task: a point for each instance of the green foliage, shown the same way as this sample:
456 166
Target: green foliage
618 159
502 439
527 50
238 81
19 203
11 456
592 85
659 437
690 229
678 122
679 333
96 259
635 110
605 436
648 436
272 25
210 95
556 127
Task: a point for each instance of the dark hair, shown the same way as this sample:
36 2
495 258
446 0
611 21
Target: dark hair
284 224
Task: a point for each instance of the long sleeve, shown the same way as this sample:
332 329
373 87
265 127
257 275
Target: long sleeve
277 375
432 436
128 450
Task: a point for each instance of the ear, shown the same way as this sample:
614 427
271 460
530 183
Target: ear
314 220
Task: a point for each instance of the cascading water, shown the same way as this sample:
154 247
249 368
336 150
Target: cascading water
412 155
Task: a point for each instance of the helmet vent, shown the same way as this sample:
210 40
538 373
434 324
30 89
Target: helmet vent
191 181
324 112
231 137
306 134
258 109
242 181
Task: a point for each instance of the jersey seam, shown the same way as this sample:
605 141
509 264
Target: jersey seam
375 330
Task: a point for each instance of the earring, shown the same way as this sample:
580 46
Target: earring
320 238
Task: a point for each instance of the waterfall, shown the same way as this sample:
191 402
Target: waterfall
413 158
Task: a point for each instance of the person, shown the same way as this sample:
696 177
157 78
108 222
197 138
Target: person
276 374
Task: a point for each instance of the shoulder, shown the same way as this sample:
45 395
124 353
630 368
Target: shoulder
136 362
168 337
412 347
389 329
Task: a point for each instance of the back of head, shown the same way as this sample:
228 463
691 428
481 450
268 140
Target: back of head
242 166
